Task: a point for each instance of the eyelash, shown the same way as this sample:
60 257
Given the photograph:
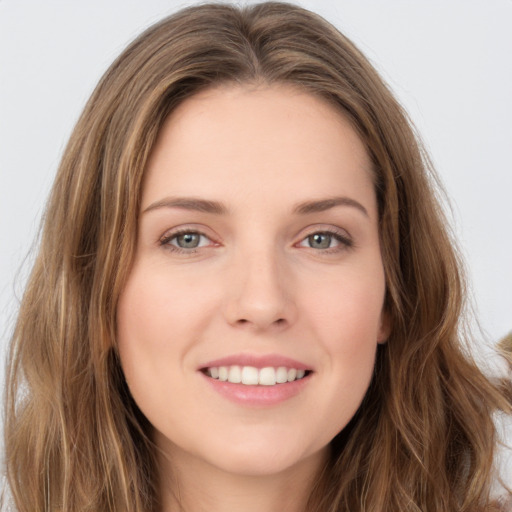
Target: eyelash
344 240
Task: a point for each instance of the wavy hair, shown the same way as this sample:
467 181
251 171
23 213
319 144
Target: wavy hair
423 438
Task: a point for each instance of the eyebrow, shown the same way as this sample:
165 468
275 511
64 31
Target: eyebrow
189 203
218 208
326 204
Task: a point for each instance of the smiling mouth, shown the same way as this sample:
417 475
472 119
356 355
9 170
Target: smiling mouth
251 376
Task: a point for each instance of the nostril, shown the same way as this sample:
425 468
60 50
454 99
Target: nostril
244 321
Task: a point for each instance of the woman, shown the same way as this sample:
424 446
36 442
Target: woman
246 296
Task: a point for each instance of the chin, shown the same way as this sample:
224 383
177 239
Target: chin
266 459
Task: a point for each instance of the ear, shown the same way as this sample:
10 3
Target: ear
384 328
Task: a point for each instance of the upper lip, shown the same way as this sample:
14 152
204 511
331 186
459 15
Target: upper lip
256 361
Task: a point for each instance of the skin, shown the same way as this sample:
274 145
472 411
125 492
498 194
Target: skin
257 284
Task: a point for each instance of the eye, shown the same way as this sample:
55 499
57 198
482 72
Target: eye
326 240
185 241
320 241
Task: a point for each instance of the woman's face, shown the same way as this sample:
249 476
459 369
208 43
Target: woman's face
258 259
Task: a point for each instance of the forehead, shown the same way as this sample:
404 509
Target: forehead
245 140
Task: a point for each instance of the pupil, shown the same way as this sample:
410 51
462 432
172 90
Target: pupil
320 241
188 240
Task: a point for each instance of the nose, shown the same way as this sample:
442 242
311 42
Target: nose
260 293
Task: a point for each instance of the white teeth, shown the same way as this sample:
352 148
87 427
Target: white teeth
251 376
267 376
282 375
235 374
223 373
292 374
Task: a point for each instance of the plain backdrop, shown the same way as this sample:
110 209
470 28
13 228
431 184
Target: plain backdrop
449 63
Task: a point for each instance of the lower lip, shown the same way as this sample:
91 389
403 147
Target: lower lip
258 396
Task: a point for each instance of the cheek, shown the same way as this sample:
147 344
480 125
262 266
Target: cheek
158 325
155 331
157 308
143 321
148 330
346 314
348 310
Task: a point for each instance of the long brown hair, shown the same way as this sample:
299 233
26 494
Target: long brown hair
424 437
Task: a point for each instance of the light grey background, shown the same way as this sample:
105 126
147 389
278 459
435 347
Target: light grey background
449 63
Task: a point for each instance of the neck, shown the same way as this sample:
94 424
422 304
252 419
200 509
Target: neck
191 485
